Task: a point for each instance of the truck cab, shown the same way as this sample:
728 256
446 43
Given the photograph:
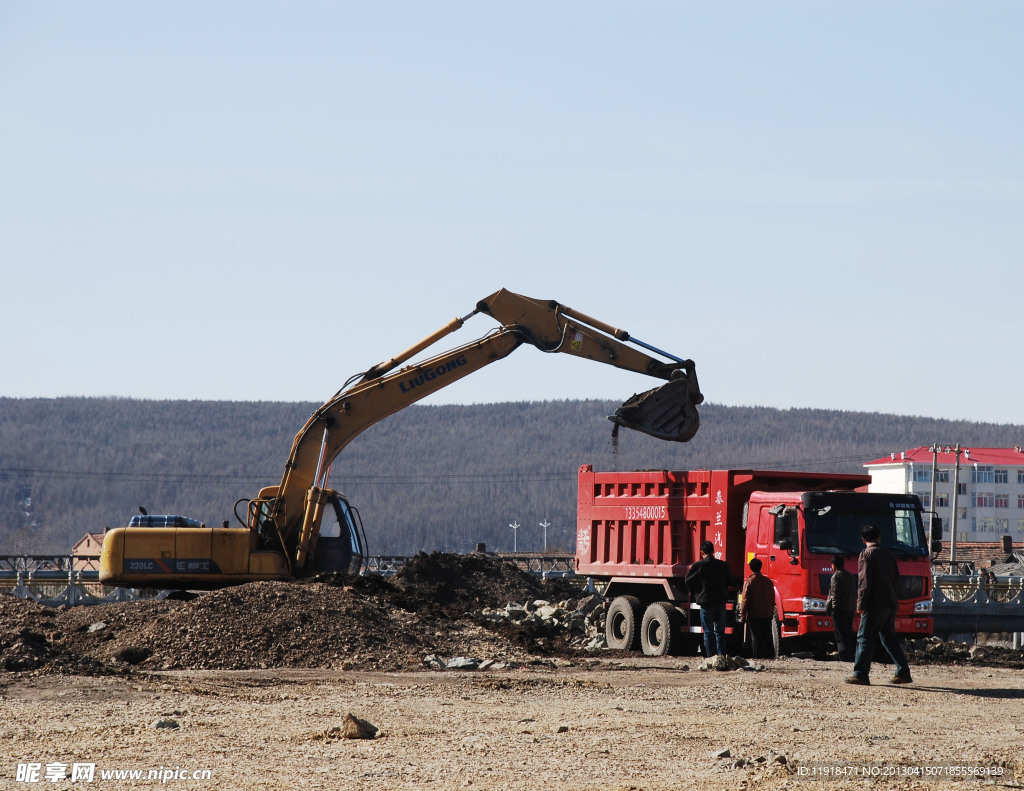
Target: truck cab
795 534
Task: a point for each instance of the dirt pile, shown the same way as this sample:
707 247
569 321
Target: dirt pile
30 639
933 651
431 606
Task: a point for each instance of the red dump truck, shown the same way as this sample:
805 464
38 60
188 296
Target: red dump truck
637 533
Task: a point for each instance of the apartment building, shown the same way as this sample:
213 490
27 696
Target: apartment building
989 494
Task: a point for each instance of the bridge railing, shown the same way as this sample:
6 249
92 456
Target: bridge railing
962 589
544 565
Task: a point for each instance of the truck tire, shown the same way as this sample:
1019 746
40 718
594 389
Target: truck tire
621 626
776 634
660 633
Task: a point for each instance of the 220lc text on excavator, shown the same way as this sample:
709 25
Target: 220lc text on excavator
301 527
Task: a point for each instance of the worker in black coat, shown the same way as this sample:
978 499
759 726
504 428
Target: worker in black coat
841 605
709 580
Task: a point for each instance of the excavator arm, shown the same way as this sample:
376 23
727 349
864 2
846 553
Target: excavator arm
666 412
291 511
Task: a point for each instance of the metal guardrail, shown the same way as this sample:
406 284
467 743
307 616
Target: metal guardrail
959 589
543 565
384 565
11 564
69 589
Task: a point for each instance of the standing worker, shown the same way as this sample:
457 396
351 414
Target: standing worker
841 605
756 608
709 580
878 578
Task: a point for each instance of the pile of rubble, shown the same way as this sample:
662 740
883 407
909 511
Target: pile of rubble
579 621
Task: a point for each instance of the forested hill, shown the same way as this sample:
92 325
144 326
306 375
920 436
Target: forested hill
430 477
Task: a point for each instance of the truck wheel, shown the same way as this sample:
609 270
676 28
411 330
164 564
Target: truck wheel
776 634
660 630
620 627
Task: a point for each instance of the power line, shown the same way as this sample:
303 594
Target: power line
783 464
202 478
110 475
402 479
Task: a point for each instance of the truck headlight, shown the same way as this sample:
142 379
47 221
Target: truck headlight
923 606
813 605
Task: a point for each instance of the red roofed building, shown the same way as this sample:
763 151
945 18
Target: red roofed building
990 491
85 551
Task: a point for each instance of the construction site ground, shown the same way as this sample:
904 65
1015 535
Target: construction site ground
250 688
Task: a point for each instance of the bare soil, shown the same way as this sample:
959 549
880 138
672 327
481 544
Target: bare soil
253 684
640 724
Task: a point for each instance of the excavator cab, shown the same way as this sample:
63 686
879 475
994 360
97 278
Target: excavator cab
337 544
341 545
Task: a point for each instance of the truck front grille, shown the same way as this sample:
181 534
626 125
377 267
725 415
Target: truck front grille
911 587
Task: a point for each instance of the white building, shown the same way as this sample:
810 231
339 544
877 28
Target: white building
990 491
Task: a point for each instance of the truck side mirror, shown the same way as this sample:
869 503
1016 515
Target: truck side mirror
936 547
936 528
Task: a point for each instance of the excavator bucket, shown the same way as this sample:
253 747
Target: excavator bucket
666 412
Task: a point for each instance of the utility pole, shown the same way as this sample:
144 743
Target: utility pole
545 524
515 527
931 501
952 522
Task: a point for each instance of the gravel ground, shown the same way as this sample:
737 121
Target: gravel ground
593 724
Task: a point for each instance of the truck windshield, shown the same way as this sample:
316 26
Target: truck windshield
834 521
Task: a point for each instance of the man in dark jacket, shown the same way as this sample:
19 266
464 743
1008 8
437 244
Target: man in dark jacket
878 577
709 580
841 605
757 605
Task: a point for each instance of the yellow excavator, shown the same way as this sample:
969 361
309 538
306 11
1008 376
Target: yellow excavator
301 527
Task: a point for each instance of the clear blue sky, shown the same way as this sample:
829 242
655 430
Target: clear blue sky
822 204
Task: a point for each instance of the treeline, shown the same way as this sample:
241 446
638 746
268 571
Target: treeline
430 477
